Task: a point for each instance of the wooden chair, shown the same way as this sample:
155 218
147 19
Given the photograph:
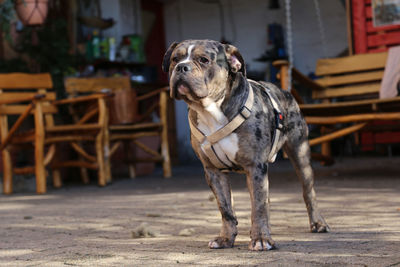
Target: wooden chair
45 133
347 89
131 130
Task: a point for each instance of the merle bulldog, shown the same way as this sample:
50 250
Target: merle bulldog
239 125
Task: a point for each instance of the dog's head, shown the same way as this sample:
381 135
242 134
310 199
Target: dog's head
201 68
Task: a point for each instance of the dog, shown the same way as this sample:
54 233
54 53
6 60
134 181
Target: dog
239 125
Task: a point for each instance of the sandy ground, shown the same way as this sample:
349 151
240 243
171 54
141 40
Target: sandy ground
90 226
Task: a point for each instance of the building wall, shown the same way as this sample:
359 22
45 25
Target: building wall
127 16
246 27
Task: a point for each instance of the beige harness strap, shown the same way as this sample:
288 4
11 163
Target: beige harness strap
207 142
236 121
196 132
278 128
208 149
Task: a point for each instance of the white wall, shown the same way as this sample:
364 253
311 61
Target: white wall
127 16
194 19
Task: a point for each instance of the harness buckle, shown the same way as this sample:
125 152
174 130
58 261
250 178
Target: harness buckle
245 112
278 120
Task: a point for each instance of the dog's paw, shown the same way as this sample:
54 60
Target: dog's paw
320 227
262 245
220 242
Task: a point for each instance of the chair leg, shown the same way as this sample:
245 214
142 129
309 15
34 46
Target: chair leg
83 171
164 135
132 171
57 181
100 160
107 156
326 146
84 174
107 167
7 161
7 172
128 157
40 171
166 159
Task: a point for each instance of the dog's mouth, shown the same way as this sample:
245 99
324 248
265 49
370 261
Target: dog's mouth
180 89
183 89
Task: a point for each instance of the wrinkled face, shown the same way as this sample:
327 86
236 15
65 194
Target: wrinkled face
199 69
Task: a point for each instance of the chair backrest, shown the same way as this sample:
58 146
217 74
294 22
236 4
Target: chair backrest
358 75
24 85
123 107
75 86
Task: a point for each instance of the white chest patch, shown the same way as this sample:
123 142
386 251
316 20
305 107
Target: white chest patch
210 120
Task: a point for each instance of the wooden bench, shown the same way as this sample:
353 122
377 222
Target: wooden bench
347 90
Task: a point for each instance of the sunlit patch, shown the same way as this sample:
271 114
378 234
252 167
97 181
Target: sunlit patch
14 252
33 197
14 206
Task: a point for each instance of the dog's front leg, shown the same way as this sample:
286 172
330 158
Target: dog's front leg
220 185
257 183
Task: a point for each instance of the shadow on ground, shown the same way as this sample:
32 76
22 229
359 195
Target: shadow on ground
86 225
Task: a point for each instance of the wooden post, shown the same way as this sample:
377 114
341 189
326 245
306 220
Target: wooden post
83 170
164 135
40 171
72 25
56 175
7 162
100 144
107 154
132 170
349 27
100 159
284 77
172 142
359 19
326 146
129 159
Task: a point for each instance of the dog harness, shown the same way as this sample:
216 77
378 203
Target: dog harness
219 158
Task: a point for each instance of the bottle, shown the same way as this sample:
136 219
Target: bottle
112 49
104 48
89 48
96 45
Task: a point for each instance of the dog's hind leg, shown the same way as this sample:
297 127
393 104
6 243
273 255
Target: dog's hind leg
298 151
220 185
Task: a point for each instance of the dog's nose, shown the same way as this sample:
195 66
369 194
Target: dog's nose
183 67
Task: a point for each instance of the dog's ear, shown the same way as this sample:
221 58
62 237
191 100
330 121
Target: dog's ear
167 57
235 59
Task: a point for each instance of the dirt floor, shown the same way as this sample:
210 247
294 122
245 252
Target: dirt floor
91 226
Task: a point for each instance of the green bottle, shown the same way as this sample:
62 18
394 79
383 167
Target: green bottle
89 48
96 45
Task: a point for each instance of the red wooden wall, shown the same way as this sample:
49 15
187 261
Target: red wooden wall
369 39
366 37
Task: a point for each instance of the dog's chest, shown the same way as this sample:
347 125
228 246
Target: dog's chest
209 122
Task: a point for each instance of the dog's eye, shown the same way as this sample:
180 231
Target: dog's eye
204 60
175 59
